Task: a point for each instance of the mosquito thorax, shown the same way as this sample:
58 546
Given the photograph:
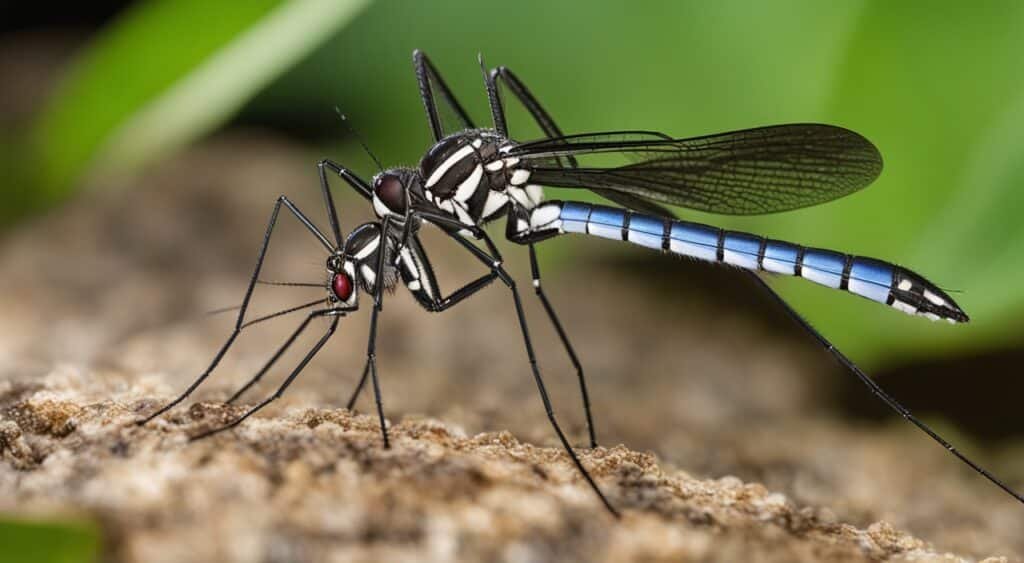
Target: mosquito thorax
453 159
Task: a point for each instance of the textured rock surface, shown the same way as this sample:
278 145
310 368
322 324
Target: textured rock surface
316 485
102 320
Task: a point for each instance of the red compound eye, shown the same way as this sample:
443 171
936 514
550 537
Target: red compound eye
342 286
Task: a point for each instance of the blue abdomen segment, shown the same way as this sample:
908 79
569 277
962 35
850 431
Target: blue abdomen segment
873 279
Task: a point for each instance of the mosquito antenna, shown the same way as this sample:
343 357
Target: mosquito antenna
222 310
282 312
352 130
290 284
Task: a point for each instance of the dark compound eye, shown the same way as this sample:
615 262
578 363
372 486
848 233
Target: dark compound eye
390 191
342 286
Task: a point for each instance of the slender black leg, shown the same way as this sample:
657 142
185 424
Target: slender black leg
539 290
438 305
357 183
529 101
371 345
551 129
544 394
494 99
240 321
875 388
332 212
494 261
359 388
273 360
429 80
291 377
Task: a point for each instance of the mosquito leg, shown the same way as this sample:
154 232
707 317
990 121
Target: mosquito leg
535 269
332 212
240 321
291 377
266 367
355 182
529 101
875 388
371 345
544 394
507 279
359 388
437 304
551 129
429 79
493 261
270 363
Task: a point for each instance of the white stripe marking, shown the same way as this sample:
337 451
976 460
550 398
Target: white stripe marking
542 217
905 307
739 259
409 262
469 185
368 274
368 249
778 266
495 166
520 196
536 193
828 279
687 248
494 202
519 177
447 164
463 215
379 207
934 298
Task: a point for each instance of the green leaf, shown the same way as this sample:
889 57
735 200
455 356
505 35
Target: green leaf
48 542
167 72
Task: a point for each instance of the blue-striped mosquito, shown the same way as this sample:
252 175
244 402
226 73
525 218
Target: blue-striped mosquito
473 176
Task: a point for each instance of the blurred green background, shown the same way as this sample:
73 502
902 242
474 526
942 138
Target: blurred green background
938 86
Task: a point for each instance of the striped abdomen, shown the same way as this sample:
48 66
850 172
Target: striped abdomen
867 277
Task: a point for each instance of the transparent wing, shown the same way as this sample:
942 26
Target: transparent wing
753 171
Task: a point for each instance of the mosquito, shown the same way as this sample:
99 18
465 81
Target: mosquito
473 176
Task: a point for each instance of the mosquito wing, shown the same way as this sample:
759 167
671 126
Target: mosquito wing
748 172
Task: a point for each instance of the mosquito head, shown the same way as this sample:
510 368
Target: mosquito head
391 192
354 265
341 283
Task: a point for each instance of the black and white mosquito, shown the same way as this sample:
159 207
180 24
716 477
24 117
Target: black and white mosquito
473 176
